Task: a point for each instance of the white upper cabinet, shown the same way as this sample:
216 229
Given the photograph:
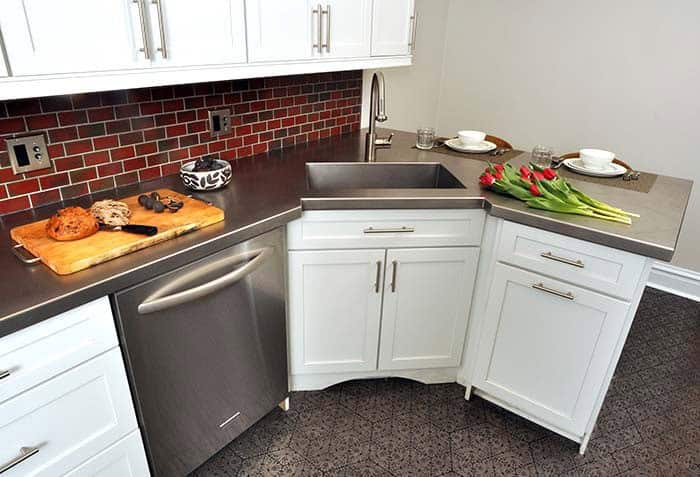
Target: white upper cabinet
3 64
281 29
345 28
393 27
205 32
72 36
427 293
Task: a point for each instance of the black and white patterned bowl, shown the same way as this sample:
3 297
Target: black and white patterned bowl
207 180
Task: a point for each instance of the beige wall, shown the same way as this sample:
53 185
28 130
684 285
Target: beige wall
622 75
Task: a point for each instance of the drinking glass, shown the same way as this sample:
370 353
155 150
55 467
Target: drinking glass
542 156
425 138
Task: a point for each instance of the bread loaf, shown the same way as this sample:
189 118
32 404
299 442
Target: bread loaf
71 223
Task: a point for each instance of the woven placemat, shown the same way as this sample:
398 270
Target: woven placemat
486 157
643 184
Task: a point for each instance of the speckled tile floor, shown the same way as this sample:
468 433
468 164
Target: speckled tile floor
649 426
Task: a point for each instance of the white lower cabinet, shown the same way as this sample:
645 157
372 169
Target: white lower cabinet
68 419
126 458
427 295
546 346
334 310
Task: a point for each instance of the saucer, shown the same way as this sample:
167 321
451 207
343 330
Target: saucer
611 170
476 148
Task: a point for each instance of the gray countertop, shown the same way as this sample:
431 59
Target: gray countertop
269 191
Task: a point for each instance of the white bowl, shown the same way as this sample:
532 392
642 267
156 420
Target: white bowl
596 158
471 137
206 180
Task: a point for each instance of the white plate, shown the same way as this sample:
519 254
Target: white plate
611 170
476 148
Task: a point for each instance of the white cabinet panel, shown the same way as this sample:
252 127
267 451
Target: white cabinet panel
205 32
334 310
546 354
393 22
40 352
346 29
280 30
69 418
70 36
427 293
126 458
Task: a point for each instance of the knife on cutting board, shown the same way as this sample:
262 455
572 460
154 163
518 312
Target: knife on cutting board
148 230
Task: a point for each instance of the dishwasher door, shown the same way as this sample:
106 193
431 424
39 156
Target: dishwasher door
206 351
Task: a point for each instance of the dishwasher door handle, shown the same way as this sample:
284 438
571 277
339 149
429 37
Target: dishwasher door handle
158 303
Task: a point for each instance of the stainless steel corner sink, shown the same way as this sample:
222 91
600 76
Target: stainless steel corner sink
329 176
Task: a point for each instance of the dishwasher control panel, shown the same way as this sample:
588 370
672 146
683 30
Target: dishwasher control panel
28 153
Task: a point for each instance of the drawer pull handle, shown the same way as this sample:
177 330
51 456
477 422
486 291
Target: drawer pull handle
540 286
394 264
378 277
372 230
5 374
24 454
551 256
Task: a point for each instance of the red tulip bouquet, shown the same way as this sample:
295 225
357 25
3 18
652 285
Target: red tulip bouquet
541 188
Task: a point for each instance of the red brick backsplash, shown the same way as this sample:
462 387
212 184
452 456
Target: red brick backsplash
99 141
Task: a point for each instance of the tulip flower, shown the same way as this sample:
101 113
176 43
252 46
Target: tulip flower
525 172
534 190
549 173
487 179
538 175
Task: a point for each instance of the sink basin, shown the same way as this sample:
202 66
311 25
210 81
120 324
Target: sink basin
326 176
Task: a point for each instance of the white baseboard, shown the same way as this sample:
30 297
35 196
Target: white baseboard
675 280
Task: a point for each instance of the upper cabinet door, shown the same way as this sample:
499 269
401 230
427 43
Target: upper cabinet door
345 28
73 36
279 30
427 294
205 32
393 27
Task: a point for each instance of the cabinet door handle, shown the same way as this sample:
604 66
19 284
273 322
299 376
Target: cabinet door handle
144 32
412 36
378 277
568 261
394 264
372 230
24 454
540 286
5 374
327 44
318 12
161 28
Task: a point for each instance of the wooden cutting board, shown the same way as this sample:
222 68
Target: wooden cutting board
69 257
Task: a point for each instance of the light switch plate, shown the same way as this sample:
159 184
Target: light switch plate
28 153
219 122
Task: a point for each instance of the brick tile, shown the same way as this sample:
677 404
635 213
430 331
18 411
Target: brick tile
153 134
142 123
112 98
157 159
167 144
56 103
110 169
12 125
14 205
182 90
122 153
171 168
152 108
54 180
82 175
68 192
105 142
127 110
68 163
162 92
134 164
87 100
56 150
45 197
194 103
186 141
69 118
78 147
96 158
118 126
23 187
101 184
173 105
186 116
149 173
91 130
198 151
177 130
178 155
42 121
100 114
125 179
146 148
3 192
131 138
22 107
196 127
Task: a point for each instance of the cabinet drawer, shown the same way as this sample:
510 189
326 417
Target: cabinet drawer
69 419
126 458
597 267
340 229
40 352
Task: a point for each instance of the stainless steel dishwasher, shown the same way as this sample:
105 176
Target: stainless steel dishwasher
206 351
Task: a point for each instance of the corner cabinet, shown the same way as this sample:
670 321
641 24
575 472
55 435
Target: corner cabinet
393 301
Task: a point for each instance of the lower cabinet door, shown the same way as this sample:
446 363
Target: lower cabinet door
335 299
546 346
126 458
427 294
52 428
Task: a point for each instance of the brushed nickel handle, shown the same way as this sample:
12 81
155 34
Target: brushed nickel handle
378 277
27 261
568 261
24 454
161 27
5 374
327 12
319 27
412 41
372 230
161 300
144 32
394 264
540 286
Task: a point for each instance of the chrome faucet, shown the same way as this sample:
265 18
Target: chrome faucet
376 113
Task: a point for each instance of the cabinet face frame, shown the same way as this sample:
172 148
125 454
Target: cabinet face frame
394 26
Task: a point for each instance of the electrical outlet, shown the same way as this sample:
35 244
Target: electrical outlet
219 122
28 153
